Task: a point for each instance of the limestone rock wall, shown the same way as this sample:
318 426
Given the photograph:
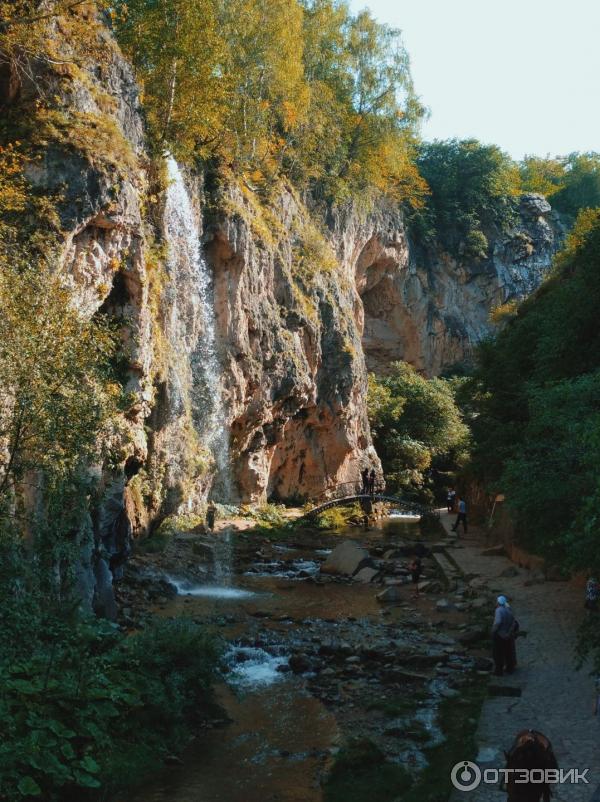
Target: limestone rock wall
429 308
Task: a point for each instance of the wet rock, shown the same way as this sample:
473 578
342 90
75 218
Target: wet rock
443 605
299 664
391 594
347 559
366 575
472 636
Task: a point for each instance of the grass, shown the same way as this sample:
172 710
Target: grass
361 773
434 785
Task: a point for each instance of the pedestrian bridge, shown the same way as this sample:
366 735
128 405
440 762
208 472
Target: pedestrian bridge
352 492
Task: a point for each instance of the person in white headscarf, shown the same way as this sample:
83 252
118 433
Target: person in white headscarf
504 630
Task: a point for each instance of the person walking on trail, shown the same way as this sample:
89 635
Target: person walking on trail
504 632
211 514
365 480
462 516
416 569
451 499
372 482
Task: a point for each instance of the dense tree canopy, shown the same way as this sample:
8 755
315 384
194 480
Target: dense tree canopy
303 89
572 182
535 401
472 189
416 427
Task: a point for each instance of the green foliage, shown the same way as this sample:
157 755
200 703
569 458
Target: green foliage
361 772
580 185
85 708
473 187
572 182
540 175
534 403
54 369
267 515
301 89
416 427
338 518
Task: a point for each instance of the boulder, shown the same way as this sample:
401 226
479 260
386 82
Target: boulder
348 558
390 594
533 205
299 664
366 575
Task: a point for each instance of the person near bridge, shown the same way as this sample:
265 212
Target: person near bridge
372 482
365 480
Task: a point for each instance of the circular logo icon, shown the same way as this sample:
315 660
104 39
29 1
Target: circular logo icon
466 776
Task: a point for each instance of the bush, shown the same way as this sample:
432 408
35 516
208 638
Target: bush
417 429
85 708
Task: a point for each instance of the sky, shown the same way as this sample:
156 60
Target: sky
522 74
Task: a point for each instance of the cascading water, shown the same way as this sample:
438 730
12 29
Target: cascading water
208 408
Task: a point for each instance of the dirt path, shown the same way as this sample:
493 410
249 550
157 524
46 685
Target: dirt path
555 698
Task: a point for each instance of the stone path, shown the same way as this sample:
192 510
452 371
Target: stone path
555 698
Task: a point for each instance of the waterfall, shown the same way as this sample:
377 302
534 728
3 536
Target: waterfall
186 258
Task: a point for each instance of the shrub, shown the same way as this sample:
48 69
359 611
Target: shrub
85 708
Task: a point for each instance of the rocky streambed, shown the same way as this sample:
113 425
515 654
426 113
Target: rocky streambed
326 642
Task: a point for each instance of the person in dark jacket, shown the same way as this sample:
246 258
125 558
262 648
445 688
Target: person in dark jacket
365 480
372 482
211 514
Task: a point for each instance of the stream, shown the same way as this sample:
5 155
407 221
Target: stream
309 660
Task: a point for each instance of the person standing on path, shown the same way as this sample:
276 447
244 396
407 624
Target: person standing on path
365 480
462 516
211 514
372 482
451 499
503 638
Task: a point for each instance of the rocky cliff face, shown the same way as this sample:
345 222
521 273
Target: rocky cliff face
301 306
428 308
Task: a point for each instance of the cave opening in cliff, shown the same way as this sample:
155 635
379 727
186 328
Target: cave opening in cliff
118 297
